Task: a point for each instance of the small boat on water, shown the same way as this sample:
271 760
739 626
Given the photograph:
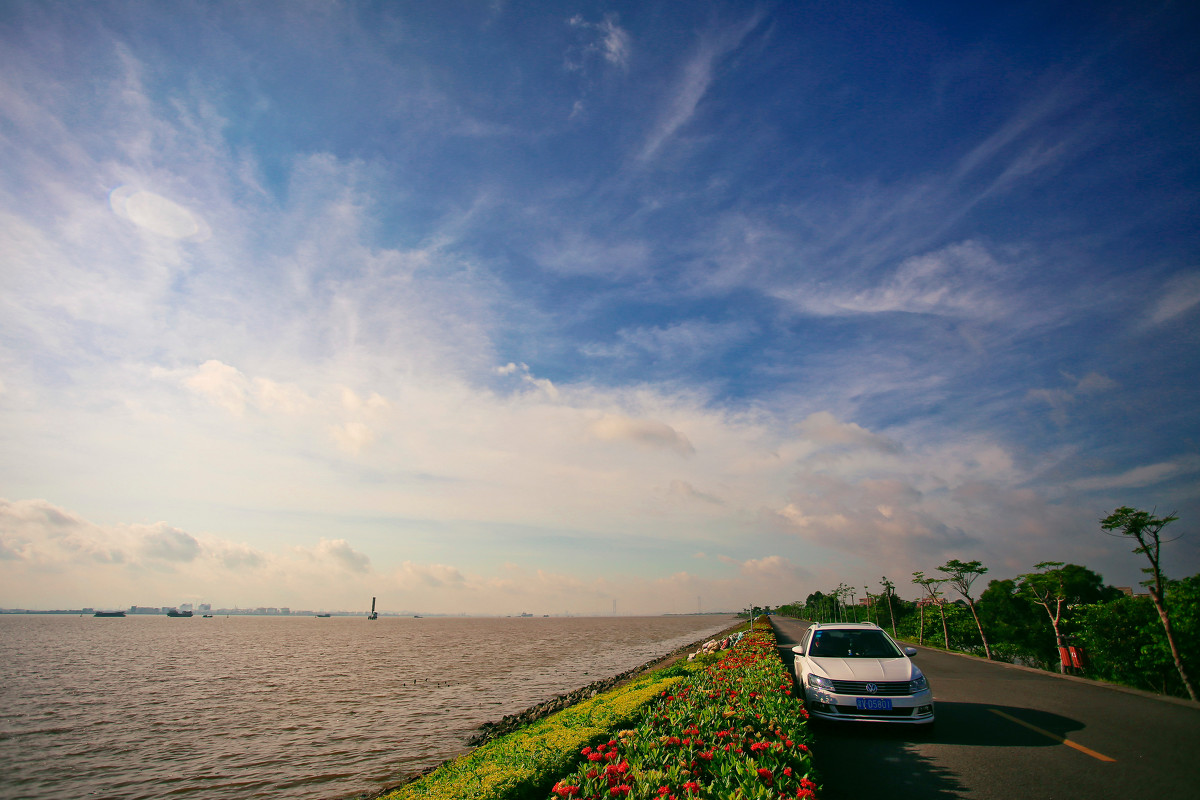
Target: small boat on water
174 612
109 614
322 615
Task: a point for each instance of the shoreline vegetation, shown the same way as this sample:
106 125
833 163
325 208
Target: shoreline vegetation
616 737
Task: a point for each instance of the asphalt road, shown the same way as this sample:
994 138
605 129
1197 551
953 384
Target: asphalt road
1007 733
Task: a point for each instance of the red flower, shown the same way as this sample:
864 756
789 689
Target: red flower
766 776
564 790
691 787
620 791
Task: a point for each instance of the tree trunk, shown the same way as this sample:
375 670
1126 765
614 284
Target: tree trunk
1166 623
987 650
891 616
1057 640
921 638
945 630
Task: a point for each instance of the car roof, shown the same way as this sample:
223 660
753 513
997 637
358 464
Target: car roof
853 626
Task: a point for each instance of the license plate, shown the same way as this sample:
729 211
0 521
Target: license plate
873 704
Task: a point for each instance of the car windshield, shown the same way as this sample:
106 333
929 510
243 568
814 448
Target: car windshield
852 644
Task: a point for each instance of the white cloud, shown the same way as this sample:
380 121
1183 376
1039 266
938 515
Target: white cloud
692 83
610 40
157 214
164 543
651 433
823 429
577 253
680 342
1179 296
439 575
1145 475
338 553
221 384
956 281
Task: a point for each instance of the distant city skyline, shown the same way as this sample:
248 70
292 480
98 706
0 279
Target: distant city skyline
494 308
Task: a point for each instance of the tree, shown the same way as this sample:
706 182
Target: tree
932 588
961 575
889 589
1014 623
1146 530
1045 587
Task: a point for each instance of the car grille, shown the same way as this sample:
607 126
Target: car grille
896 689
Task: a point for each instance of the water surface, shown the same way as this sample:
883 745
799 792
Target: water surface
295 707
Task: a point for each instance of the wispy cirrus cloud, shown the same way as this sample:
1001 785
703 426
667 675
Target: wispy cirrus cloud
692 83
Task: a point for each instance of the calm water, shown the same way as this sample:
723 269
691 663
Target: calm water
242 707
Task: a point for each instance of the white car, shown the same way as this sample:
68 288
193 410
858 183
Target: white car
855 672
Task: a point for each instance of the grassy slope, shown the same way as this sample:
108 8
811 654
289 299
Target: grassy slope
526 762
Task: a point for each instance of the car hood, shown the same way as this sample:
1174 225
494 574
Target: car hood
865 669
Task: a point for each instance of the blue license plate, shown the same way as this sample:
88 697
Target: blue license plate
873 704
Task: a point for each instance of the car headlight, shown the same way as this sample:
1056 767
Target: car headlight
819 682
918 684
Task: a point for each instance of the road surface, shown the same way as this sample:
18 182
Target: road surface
1005 733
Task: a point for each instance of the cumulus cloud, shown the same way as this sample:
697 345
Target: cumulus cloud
338 553
433 575
221 384
771 567
647 432
352 437
824 429
45 536
164 543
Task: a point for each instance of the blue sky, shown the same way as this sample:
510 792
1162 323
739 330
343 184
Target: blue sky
498 307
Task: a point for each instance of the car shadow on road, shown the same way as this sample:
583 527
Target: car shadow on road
859 760
900 761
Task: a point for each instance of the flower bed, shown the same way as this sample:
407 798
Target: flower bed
731 731
524 763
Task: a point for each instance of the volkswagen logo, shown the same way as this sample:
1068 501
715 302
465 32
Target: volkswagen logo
872 688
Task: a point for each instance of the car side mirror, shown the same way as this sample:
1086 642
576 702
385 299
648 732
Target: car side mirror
798 649
910 651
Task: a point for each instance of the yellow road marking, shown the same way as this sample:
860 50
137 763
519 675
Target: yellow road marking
1054 736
